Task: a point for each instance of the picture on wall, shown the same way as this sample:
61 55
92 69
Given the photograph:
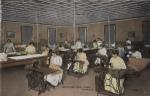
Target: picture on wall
11 34
131 34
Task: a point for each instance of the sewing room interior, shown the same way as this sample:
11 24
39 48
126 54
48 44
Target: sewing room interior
75 48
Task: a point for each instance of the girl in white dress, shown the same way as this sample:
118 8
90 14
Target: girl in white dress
82 63
55 64
111 83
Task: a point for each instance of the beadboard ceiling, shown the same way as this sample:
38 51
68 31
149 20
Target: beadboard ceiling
69 12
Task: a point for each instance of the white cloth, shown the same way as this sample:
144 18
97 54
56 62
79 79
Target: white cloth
78 45
3 57
102 51
55 78
57 60
97 61
69 65
137 54
23 57
113 45
129 47
128 42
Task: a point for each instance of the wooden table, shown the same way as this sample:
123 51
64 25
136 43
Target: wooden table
90 52
12 63
138 64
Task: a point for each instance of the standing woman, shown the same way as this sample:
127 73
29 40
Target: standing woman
111 82
9 47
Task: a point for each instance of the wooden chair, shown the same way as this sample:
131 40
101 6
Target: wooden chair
35 77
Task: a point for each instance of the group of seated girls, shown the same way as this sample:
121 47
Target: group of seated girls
80 66
81 63
116 63
125 51
10 48
131 51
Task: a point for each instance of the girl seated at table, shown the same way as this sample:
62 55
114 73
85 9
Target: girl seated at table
78 44
136 53
45 50
101 56
55 77
112 83
81 64
30 49
95 44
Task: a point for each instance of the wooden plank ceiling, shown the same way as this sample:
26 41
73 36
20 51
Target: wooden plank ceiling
68 12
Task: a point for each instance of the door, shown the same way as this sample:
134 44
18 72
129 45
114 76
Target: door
52 36
82 34
26 34
146 32
110 33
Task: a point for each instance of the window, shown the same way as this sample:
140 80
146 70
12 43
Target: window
110 33
26 34
51 36
82 34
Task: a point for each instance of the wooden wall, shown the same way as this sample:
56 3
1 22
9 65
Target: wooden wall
94 30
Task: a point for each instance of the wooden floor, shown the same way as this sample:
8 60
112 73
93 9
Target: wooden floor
139 86
14 83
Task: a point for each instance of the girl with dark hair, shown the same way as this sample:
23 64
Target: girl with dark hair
82 63
30 49
9 47
55 64
111 83
45 50
95 44
78 44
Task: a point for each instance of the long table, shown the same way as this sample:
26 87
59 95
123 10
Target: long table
90 52
138 64
18 61
28 59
